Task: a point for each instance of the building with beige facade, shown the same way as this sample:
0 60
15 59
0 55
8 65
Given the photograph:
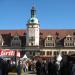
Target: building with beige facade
35 41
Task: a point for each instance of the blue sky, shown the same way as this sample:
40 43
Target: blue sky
52 14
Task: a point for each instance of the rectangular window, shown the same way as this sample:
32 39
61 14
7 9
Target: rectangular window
71 52
65 44
42 52
68 44
49 38
70 38
49 53
31 39
64 52
71 44
56 52
67 38
31 44
49 44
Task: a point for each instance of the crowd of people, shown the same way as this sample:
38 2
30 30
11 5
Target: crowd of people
51 67
41 67
4 67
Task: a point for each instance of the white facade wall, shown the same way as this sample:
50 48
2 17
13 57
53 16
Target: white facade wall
32 32
57 50
37 36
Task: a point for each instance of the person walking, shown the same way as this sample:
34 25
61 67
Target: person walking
0 66
19 68
38 67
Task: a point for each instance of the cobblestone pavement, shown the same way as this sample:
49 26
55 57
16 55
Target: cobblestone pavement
27 73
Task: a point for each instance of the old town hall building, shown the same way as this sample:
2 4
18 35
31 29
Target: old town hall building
35 41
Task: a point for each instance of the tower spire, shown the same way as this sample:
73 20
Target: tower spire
33 10
33 3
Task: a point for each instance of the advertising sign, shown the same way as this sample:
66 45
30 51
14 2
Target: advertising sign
8 52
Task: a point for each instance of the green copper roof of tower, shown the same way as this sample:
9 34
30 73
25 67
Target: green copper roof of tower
33 18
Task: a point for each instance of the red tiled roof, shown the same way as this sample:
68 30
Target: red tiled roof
13 32
45 32
62 32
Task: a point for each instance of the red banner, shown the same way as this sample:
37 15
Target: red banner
8 52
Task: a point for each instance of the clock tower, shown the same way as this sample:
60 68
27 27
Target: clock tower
32 38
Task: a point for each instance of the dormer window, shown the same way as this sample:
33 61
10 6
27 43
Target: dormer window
49 38
68 41
68 38
16 41
49 41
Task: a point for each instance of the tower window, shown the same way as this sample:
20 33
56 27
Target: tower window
32 20
31 44
31 38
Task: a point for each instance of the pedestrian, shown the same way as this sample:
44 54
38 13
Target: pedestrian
73 69
0 66
19 68
43 68
38 67
7 67
50 68
4 68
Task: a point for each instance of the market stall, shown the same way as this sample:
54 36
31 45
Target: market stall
8 54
